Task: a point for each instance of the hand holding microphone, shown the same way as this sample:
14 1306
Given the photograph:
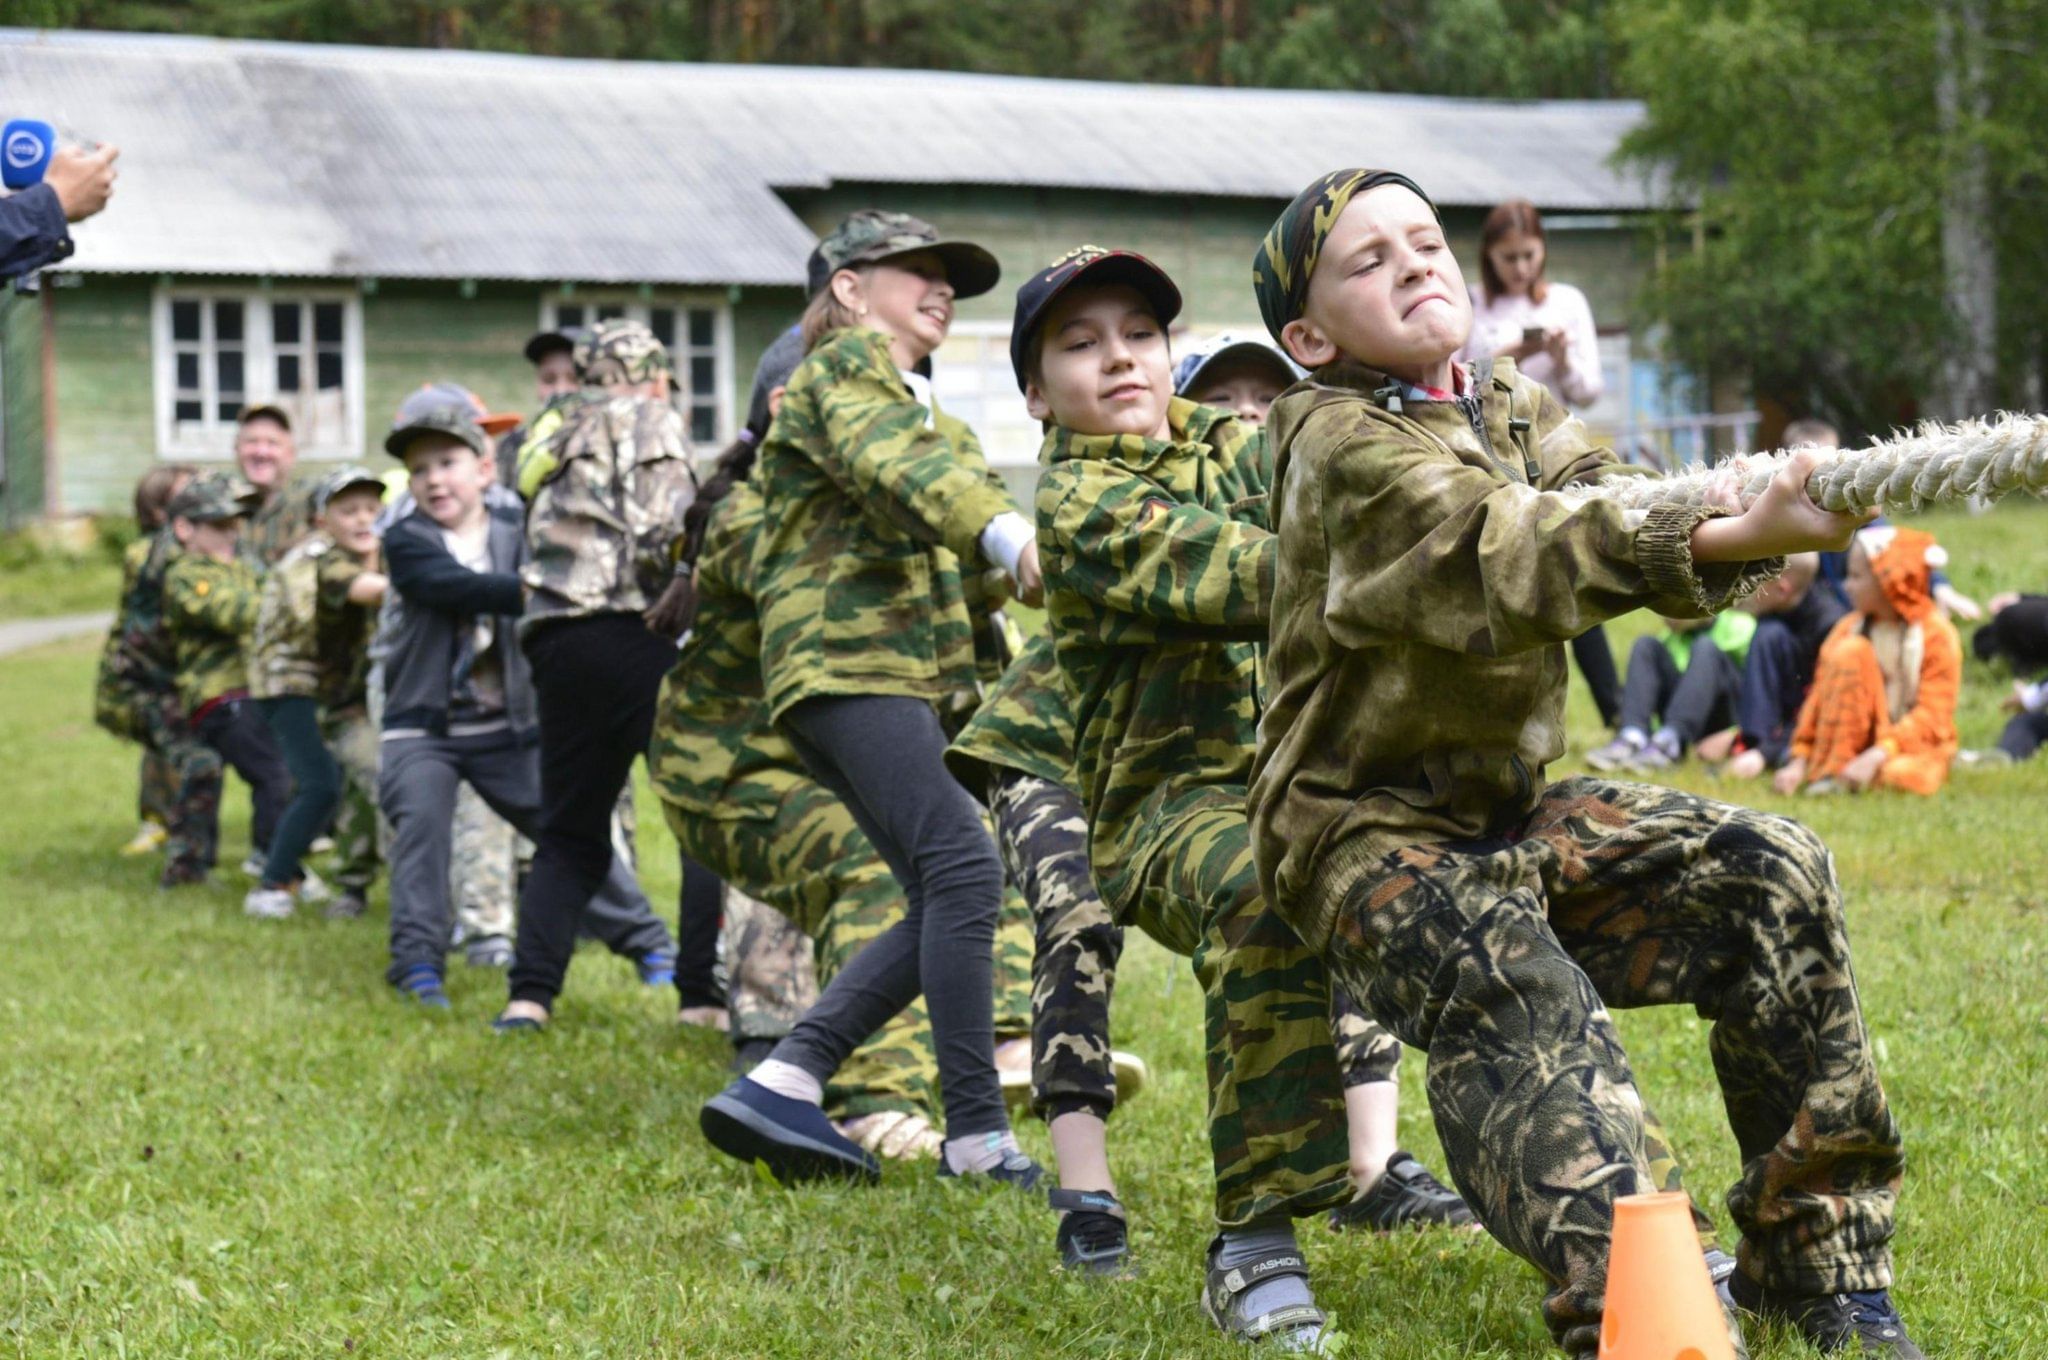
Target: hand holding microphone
83 179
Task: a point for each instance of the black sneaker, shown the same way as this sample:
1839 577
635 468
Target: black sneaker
347 907
1859 1324
1405 1196
1093 1237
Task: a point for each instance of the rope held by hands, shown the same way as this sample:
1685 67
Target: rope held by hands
1933 465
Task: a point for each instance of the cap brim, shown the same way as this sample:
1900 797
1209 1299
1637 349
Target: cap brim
1251 348
1116 266
395 442
375 484
496 424
969 268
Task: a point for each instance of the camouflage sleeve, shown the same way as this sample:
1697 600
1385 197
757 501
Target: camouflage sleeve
283 656
1121 543
1425 548
220 597
882 453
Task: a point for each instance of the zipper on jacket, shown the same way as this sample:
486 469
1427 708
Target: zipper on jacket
1518 430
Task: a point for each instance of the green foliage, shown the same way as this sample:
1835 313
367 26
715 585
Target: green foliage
1805 131
227 1138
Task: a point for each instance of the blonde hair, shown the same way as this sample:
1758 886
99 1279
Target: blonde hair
825 313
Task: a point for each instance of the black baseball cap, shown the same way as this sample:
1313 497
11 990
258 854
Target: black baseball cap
545 343
1099 267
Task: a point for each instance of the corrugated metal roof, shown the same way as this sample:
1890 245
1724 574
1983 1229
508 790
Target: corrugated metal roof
296 159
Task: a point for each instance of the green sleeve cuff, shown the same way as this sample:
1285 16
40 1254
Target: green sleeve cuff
1664 553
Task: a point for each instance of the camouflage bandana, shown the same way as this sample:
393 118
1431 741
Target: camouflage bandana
215 497
620 350
871 236
1286 259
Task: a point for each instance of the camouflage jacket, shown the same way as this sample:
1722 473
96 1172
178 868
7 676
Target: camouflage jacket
1158 569
1425 584
874 503
1026 723
310 641
286 517
210 610
714 753
600 528
128 676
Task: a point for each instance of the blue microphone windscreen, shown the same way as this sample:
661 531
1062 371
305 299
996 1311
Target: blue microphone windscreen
25 149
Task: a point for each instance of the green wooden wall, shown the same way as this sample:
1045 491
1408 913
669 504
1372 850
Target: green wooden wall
21 407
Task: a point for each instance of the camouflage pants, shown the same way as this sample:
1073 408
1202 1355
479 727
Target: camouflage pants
772 971
1276 1100
159 788
481 870
1501 960
352 741
192 832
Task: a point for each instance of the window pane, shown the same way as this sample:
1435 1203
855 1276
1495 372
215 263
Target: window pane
611 311
662 321
228 410
190 410
568 316
701 329
703 375
284 322
287 373
185 322
227 321
188 369
228 372
703 424
329 368
327 322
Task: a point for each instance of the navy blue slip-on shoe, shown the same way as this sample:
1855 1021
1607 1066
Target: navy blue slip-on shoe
422 983
792 1138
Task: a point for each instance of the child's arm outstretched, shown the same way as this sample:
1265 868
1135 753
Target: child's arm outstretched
425 572
1184 570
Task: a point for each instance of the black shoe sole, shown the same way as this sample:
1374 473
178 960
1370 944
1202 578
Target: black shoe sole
743 1133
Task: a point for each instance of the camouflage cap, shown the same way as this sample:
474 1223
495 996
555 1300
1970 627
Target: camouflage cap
620 350
437 408
1286 259
871 236
215 496
345 479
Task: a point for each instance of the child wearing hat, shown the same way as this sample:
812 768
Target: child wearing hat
1882 710
880 519
308 670
1241 374
1428 573
209 604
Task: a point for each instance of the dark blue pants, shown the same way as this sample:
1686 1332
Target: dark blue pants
1767 707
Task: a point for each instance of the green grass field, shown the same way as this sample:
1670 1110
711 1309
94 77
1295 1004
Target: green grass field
223 1138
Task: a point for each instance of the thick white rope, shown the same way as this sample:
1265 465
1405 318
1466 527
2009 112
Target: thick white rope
1933 465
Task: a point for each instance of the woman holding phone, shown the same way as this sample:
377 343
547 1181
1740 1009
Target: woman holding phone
1547 329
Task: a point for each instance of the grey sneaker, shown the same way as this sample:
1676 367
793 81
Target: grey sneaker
346 907
268 904
488 951
1615 755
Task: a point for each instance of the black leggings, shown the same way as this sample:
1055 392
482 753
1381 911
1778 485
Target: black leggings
883 756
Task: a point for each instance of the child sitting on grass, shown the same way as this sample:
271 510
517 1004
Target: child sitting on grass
1429 572
309 674
1691 677
1882 711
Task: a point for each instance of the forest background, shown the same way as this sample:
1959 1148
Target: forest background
1863 184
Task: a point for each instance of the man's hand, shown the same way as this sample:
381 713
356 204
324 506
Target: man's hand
84 180
2002 601
1782 521
1747 765
1030 584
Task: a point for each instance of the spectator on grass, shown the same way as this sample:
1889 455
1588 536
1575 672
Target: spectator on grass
2018 632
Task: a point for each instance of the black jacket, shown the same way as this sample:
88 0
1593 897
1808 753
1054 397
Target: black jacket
33 232
427 635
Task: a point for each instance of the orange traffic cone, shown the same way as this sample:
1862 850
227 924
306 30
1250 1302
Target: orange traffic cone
1660 1302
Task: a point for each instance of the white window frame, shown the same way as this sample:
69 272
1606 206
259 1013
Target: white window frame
259 369
635 306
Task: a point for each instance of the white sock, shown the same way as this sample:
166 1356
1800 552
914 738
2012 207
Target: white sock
980 1151
787 1079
